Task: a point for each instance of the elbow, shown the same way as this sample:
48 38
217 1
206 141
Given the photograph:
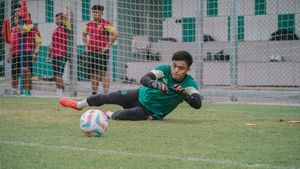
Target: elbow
147 79
143 81
197 105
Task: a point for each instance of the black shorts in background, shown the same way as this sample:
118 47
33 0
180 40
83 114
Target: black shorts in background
27 61
58 66
97 61
15 65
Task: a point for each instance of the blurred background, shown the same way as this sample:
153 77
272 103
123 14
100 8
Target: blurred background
243 50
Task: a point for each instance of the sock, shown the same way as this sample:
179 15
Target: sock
59 92
82 104
109 114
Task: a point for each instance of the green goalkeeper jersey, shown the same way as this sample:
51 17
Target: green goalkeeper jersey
158 102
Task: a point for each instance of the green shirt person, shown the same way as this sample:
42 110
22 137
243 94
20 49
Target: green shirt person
162 90
159 103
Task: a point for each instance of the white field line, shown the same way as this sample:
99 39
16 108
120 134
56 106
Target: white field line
148 155
258 103
229 111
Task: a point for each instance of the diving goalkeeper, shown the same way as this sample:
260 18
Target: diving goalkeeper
164 88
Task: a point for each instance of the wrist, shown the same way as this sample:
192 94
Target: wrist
153 84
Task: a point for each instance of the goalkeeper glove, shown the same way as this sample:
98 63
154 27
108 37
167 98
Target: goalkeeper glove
178 89
160 86
182 92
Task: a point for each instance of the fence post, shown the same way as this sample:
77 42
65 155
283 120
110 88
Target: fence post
73 50
233 46
199 42
110 16
7 66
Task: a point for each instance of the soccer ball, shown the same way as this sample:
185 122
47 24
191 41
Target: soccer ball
93 122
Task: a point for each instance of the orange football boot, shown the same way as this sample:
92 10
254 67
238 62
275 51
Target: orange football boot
66 102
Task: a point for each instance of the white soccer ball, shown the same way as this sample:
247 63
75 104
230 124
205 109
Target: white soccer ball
93 122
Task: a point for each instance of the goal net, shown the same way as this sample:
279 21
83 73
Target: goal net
235 45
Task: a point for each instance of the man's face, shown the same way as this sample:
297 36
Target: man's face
59 20
179 69
17 12
97 14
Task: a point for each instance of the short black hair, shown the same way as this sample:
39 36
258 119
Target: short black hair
98 7
59 14
183 55
17 5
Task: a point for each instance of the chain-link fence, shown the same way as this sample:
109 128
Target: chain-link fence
242 49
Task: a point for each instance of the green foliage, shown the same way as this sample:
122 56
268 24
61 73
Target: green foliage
38 133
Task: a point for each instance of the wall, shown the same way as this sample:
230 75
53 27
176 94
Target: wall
37 10
255 50
254 66
257 27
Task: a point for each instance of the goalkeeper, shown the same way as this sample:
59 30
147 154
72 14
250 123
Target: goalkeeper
164 88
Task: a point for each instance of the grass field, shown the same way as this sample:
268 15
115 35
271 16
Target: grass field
38 133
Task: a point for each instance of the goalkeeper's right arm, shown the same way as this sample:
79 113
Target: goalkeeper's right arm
147 79
150 80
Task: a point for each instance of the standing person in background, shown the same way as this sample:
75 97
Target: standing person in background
32 43
23 28
98 35
14 53
37 47
59 48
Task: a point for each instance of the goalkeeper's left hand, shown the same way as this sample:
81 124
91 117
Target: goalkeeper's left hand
182 92
178 89
193 100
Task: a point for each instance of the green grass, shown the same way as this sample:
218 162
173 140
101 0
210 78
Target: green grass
38 133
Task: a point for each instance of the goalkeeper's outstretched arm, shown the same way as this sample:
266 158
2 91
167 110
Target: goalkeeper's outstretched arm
194 100
192 96
148 79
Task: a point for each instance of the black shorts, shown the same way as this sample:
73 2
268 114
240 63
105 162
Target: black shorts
97 61
16 63
128 99
58 66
